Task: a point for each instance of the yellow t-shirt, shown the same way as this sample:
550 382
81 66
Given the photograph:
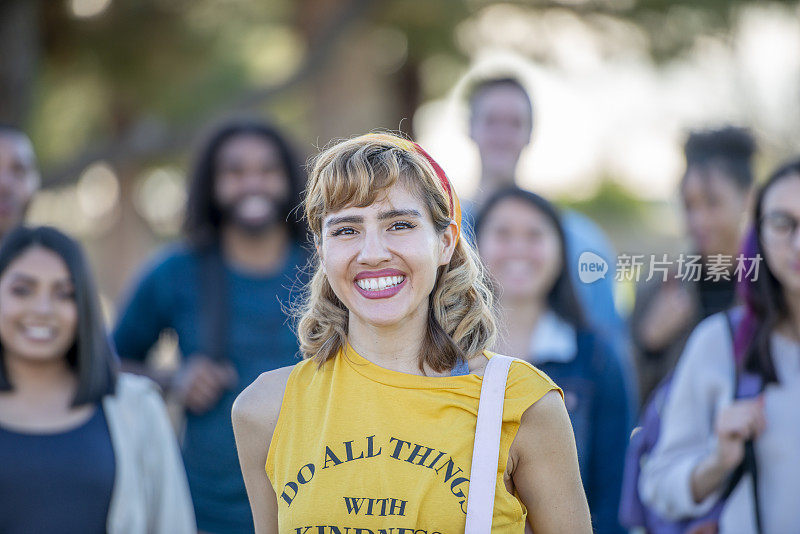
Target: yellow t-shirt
360 449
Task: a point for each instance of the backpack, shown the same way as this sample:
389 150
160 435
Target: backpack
632 512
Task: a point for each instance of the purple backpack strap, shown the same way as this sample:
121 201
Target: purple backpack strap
748 385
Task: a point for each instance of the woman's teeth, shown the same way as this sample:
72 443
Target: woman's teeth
40 333
254 207
519 268
379 284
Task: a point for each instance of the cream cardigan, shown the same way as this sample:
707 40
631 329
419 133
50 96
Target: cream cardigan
150 493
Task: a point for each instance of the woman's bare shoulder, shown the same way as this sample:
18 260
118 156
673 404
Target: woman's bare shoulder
544 426
548 411
544 468
258 406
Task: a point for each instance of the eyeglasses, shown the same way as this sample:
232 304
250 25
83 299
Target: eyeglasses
779 226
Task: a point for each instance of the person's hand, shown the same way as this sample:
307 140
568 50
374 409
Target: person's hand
736 424
669 312
201 381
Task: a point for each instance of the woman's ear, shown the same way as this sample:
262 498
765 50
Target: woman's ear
318 247
449 239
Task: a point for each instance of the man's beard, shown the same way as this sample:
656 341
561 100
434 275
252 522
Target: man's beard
254 214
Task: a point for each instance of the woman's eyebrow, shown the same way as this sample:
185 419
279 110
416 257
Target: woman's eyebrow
22 277
355 219
391 214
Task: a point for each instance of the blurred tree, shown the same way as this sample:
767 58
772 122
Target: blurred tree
428 28
162 70
137 78
670 25
19 57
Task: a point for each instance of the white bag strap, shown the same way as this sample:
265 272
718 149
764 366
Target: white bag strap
486 451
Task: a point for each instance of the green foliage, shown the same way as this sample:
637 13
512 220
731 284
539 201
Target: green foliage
610 201
168 60
429 26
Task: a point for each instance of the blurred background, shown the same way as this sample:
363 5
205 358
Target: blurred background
116 94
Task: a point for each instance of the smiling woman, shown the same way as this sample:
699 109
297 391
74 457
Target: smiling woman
83 448
374 430
380 202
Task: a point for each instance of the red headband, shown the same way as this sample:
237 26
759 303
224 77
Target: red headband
404 144
445 181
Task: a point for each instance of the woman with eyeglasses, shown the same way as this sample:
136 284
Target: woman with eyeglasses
736 392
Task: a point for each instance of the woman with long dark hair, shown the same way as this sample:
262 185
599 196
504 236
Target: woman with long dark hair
82 447
520 238
708 425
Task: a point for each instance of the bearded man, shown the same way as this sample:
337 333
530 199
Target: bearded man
223 290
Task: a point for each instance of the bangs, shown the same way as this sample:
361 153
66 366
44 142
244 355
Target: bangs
359 175
363 179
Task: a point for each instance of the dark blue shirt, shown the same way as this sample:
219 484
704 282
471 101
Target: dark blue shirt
601 414
259 339
57 482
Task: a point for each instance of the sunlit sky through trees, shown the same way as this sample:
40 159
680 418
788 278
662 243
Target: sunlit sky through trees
604 108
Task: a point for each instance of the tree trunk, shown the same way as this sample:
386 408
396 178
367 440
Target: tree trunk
409 95
19 54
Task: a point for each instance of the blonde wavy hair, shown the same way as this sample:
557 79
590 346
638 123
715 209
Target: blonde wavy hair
357 172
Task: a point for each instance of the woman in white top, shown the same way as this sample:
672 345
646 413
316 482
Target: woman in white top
704 430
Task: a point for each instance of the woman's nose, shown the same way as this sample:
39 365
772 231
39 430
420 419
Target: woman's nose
43 304
373 249
795 237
